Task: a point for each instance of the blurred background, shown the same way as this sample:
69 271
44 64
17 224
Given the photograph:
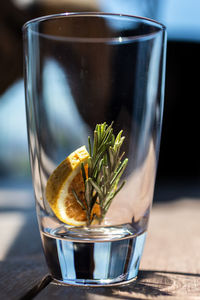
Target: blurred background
179 166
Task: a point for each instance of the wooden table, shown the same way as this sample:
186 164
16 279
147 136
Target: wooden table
170 267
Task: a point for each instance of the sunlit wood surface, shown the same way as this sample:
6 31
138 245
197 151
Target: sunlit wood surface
170 267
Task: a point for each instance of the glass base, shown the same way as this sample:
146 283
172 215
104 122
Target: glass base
93 263
95 283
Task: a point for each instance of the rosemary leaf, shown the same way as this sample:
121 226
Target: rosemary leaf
112 195
97 188
88 194
103 127
89 145
121 156
100 164
83 172
78 200
99 156
118 137
120 170
109 201
94 199
98 134
107 134
121 186
95 143
111 157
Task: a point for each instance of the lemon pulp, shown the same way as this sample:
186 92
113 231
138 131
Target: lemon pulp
65 178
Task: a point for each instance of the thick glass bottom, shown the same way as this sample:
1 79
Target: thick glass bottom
94 283
93 263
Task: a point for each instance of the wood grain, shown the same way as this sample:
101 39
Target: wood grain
173 240
170 267
149 285
22 264
19 276
170 264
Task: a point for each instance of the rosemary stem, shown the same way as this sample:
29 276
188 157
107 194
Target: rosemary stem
105 168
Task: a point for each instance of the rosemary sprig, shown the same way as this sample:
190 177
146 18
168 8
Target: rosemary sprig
105 168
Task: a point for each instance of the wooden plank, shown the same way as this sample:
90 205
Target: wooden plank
26 240
22 264
170 264
149 285
19 276
173 240
18 224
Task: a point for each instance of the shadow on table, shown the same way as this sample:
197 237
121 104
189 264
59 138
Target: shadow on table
149 285
20 276
154 284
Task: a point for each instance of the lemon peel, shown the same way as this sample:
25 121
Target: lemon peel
59 188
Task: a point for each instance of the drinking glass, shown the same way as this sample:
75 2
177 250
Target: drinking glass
96 75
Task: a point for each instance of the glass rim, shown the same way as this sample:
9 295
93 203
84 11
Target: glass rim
149 22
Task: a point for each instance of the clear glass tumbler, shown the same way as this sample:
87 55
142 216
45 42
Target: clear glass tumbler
94 87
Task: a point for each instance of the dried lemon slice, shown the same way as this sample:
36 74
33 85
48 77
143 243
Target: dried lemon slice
60 185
